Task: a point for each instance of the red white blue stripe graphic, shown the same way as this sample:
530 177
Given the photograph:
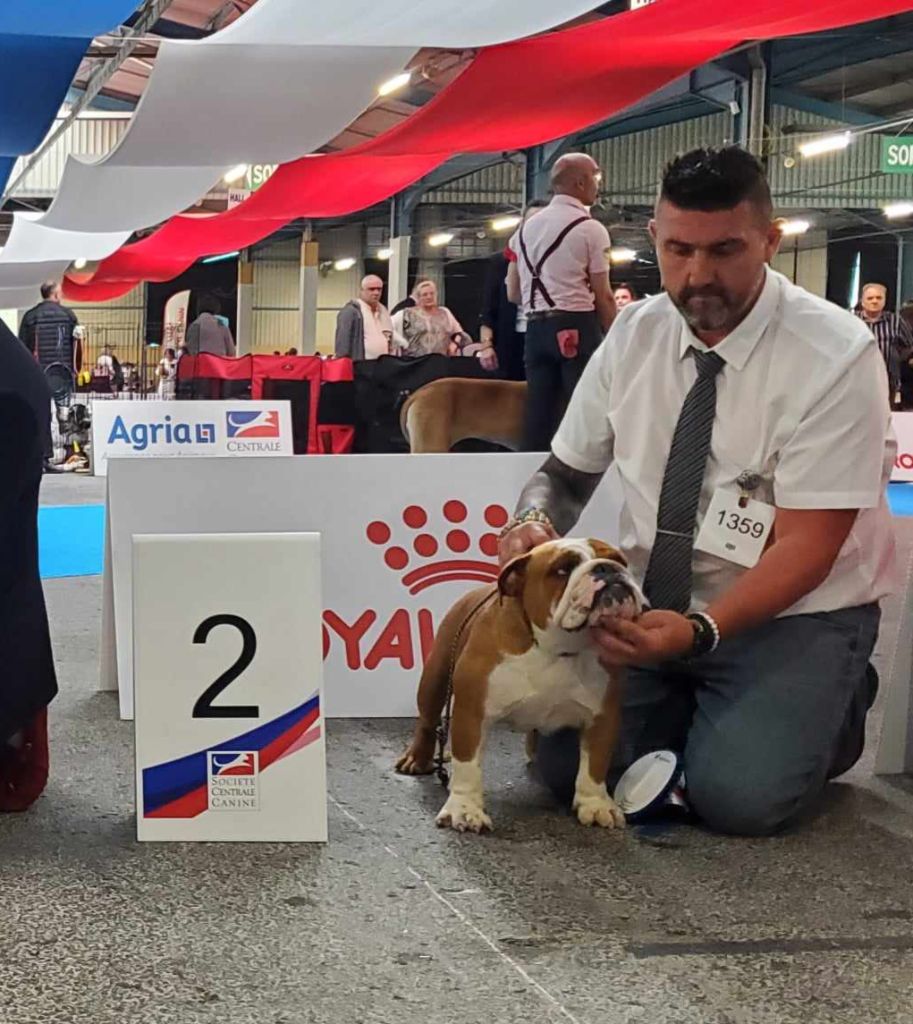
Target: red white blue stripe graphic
179 788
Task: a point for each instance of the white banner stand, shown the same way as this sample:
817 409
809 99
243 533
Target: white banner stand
227 671
202 429
903 461
895 744
402 537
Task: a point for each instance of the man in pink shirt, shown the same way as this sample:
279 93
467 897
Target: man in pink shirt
561 277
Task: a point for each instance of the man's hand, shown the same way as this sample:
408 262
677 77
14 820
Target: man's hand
488 358
656 636
523 538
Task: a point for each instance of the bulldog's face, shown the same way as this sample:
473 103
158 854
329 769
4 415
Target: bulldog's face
570 584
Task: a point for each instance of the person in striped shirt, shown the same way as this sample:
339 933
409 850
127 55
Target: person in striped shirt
892 332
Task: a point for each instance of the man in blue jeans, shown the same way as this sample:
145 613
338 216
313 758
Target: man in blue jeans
748 423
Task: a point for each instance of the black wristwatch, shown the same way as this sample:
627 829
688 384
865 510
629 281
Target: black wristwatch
706 634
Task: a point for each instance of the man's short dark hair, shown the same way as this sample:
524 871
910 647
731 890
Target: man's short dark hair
628 288
48 289
209 304
716 179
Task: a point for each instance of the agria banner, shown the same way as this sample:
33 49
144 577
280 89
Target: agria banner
137 429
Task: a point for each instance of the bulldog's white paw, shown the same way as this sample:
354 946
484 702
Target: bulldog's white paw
598 810
463 815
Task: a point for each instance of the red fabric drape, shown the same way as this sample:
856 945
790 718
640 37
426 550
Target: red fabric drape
510 97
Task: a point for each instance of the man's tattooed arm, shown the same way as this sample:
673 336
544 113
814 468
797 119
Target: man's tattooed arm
560 491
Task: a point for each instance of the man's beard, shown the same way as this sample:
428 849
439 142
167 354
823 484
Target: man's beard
707 309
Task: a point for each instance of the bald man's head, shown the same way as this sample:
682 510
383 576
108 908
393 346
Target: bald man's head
372 287
576 175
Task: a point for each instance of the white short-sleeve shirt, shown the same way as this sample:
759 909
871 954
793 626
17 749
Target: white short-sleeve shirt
378 330
801 401
566 273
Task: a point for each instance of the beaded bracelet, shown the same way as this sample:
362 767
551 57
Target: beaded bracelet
529 515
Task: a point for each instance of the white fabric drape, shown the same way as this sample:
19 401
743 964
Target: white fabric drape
34 253
278 83
32 240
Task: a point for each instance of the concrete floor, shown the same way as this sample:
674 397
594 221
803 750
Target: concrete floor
394 921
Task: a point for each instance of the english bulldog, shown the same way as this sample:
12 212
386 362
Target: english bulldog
521 651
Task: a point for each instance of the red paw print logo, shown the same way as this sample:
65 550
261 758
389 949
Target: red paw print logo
428 555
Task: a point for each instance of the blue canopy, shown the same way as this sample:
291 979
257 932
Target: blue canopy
41 45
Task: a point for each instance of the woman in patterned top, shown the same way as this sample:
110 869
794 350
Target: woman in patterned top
426 327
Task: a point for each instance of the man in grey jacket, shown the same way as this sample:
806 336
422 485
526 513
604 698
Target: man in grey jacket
364 329
208 334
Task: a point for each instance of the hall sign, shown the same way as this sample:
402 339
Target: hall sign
129 429
897 155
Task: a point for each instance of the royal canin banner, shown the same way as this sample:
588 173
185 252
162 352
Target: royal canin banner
903 463
402 537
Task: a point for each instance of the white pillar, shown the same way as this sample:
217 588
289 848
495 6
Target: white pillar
245 318
307 297
398 277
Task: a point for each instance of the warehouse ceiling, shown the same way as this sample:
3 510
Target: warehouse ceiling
196 19
858 76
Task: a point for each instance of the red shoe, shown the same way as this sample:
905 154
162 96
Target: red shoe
24 769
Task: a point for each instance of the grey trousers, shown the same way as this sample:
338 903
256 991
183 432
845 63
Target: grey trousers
763 722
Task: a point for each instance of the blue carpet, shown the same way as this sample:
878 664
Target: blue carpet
71 540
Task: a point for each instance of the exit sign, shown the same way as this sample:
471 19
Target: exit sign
897 155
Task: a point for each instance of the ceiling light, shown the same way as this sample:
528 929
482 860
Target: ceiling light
235 174
623 255
80 264
440 238
793 227
826 144
220 258
395 83
384 254
894 210
346 263
505 223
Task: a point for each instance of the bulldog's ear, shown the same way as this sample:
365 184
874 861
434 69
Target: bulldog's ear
513 576
603 550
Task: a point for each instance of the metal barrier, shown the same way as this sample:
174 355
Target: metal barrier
117 363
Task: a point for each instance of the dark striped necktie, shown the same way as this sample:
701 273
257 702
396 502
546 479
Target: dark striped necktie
667 583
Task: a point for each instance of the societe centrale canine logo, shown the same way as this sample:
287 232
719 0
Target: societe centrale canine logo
444 553
243 423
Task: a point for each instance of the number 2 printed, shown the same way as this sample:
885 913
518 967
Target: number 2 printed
204 707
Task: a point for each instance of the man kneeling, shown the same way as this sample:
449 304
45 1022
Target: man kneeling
748 423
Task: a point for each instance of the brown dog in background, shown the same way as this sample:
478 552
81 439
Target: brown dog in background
452 409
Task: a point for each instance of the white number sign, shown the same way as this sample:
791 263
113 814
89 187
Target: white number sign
227 670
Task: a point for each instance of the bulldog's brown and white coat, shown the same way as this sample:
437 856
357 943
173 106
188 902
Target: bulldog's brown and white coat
527 657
